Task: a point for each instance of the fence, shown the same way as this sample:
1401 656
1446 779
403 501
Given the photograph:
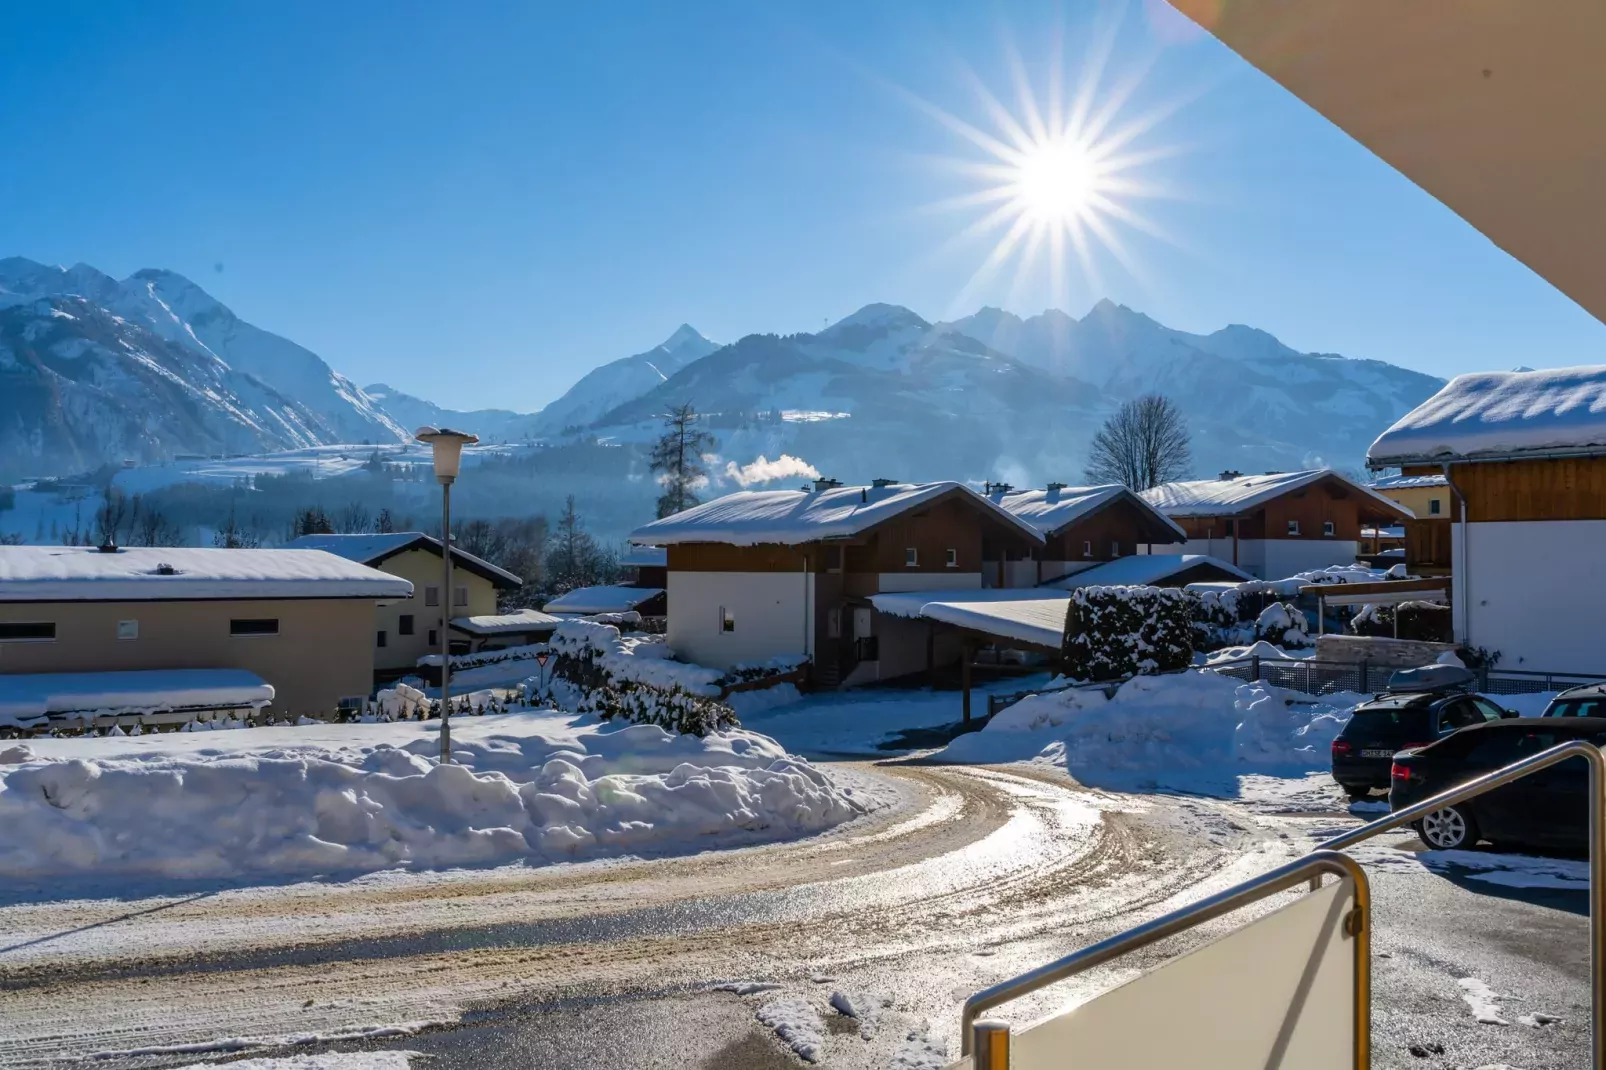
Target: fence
1313 677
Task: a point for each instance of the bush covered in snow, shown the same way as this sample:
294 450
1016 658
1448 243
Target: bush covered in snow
671 709
1424 621
1114 632
636 679
1283 624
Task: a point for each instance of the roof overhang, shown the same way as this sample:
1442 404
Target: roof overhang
1494 107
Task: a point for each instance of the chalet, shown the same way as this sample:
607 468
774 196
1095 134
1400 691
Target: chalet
760 574
1083 527
646 567
1523 456
122 621
1425 537
410 628
1278 524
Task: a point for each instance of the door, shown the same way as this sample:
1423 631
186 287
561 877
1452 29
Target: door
864 641
1499 813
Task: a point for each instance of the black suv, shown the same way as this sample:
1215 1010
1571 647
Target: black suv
1586 701
1396 721
1547 809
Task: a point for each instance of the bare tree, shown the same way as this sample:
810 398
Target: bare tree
149 527
353 518
384 523
1144 444
232 536
111 516
677 458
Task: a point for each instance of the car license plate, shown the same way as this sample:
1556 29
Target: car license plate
1377 752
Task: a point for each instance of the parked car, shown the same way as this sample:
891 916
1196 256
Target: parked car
1586 701
1402 719
1547 809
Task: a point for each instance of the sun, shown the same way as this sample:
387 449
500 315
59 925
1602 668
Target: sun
1056 181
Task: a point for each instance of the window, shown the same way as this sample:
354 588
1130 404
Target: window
1459 714
404 624
727 623
1490 711
1232 528
1115 548
833 559
833 624
26 632
255 626
953 558
1433 507
379 639
911 557
1293 527
1578 707
1329 528
434 639
459 596
128 629
1087 548
351 702
432 595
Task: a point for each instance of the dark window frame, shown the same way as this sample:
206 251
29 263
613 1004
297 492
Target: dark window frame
404 624
28 631
253 627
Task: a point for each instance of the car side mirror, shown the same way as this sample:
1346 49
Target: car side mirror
1508 714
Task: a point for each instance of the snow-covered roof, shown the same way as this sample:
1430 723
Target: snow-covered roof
1052 509
30 696
372 548
791 517
1034 615
585 601
82 573
1489 415
525 620
1144 570
645 557
1407 482
1229 497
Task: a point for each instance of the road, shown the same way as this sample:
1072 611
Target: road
980 874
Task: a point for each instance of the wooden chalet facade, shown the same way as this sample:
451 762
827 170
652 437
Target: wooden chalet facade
1275 525
1082 528
759 575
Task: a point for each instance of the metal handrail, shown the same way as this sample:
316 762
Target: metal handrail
990 1039
1299 871
1597 854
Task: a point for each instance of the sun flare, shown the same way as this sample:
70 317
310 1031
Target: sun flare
1056 181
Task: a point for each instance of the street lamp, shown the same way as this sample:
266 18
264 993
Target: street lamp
448 446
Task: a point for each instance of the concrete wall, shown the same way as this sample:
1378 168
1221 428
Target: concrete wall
773 612
1282 558
424 570
1533 591
323 652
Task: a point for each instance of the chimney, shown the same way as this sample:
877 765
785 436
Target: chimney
1230 474
826 484
998 488
1055 488
878 483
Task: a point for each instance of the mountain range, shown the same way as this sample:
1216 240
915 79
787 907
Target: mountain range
97 371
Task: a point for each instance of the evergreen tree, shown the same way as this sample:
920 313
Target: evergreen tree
677 459
311 520
573 557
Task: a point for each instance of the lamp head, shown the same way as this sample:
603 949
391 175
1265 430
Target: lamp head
448 446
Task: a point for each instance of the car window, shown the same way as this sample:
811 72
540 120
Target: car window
1458 713
1577 707
1489 710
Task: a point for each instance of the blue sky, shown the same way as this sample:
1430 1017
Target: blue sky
479 202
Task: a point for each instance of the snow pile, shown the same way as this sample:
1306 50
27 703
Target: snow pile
402 703
527 787
748 703
329 1060
29 698
633 659
796 1023
1283 625
1189 730
1258 649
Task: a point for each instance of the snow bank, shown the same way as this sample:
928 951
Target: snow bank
528 787
1191 730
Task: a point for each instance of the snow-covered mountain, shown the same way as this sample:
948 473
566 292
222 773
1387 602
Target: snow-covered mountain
99 370
413 413
619 381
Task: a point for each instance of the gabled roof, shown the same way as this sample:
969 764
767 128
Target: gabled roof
138 573
518 622
1035 615
1492 415
793 517
1052 510
1230 497
373 548
1146 570
644 557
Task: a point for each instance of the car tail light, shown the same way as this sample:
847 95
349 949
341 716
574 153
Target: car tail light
1341 748
1401 772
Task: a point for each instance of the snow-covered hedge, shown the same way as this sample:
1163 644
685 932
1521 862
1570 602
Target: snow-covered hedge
1424 621
636 679
1114 632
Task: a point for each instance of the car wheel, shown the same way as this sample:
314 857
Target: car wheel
1447 830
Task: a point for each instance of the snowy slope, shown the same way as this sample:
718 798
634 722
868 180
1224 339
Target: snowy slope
100 370
412 413
623 380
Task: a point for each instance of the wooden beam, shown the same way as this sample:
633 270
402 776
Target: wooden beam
966 656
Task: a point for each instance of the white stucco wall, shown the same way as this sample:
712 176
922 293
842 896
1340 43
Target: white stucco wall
1532 590
774 614
1282 558
930 581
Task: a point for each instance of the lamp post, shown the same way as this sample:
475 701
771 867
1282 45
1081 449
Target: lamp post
448 446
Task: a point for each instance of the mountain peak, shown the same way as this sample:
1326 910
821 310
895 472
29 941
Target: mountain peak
684 334
880 314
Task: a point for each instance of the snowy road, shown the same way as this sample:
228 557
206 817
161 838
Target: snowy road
982 873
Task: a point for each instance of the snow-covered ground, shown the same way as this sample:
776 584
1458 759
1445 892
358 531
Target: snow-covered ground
531 786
